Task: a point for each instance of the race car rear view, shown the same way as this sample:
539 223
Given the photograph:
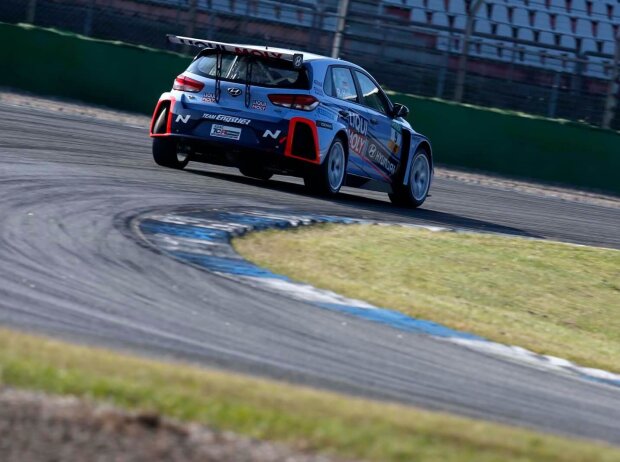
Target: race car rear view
269 110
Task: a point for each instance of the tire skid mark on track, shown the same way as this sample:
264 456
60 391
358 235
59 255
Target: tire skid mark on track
68 183
202 238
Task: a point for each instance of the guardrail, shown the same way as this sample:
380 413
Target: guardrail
131 78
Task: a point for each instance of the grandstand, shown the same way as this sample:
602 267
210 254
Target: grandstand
562 35
551 57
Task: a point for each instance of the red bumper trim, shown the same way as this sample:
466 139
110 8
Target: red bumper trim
171 100
288 151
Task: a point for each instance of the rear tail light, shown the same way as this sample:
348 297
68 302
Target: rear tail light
183 83
301 102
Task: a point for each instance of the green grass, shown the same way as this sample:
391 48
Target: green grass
302 417
552 298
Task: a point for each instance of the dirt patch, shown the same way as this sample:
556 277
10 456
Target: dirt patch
24 99
35 427
509 184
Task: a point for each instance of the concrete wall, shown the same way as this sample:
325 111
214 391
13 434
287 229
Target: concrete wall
61 64
518 145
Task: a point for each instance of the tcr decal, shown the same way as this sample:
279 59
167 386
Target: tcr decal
222 131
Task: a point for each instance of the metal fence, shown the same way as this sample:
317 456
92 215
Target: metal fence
407 54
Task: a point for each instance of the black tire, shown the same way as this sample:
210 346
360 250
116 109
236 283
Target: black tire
256 171
328 178
416 191
165 154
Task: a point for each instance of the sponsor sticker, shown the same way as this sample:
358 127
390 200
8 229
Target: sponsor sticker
374 153
208 98
226 119
318 87
326 113
322 124
358 123
357 142
358 129
237 49
259 105
222 131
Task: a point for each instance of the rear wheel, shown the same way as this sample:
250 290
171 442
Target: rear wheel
166 153
328 178
166 150
415 192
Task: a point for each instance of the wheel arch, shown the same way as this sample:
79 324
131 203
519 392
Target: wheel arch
166 102
342 134
427 145
417 142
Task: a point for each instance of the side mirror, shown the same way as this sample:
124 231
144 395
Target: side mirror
400 110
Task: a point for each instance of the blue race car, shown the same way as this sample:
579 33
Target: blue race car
269 110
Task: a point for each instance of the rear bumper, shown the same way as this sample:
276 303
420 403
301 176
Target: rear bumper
261 134
229 155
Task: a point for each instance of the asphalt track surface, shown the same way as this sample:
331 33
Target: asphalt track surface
69 269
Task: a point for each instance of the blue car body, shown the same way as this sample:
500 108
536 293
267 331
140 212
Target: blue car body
281 113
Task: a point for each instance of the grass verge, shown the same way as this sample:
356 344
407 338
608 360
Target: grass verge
305 418
551 298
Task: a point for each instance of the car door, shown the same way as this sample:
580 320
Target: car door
341 87
384 134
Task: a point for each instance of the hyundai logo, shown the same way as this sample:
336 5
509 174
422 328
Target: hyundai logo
234 91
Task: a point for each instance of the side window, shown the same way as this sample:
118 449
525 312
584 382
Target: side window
343 85
371 95
328 85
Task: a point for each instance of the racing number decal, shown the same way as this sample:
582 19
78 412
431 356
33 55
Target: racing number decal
396 138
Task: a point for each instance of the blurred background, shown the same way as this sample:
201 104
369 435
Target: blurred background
556 58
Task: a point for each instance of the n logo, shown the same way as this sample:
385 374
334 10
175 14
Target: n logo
183 119
270 134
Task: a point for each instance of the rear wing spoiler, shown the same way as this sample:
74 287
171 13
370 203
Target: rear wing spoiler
296 59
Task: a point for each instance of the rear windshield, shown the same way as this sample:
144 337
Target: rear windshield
265 72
